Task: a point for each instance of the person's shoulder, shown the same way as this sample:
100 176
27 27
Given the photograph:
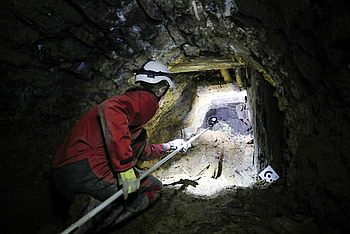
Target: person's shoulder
138 91
142 96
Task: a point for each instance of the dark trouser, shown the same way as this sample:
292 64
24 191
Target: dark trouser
78 178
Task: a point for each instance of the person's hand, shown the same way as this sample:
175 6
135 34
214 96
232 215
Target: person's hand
129 182
176 144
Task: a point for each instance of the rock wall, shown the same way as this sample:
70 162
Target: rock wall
61 57
303 48
268 128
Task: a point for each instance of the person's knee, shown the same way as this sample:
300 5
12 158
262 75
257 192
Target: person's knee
152 188
159 185
151 183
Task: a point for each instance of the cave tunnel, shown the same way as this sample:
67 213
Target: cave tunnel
276 74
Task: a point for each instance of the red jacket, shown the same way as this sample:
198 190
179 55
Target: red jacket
123 117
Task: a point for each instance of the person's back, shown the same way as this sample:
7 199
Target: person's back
85 140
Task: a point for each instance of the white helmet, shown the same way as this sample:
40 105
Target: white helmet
153 72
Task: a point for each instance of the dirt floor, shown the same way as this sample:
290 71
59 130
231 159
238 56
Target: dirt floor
233 211
216 161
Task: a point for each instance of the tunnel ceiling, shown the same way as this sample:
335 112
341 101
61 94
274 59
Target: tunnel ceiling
60 57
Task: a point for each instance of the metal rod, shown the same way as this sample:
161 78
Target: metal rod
169 156
93 212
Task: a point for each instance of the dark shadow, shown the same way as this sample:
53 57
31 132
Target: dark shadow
59 204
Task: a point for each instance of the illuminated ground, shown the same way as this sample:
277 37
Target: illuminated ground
216 162
222 157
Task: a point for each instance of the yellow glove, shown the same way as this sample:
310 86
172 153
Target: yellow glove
129 182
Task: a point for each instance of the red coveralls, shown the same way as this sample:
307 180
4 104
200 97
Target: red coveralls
81 165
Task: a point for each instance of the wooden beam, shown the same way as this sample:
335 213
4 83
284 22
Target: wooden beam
226 75
239 78
203 64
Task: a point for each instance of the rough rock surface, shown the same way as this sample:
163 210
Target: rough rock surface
60 57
